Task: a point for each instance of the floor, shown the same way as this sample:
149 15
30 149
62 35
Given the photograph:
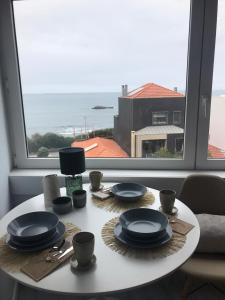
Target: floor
166 289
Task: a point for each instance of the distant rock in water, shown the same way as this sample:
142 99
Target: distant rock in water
102 107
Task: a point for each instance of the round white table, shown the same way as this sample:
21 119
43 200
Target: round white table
113 272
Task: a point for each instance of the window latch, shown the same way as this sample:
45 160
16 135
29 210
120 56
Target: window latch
204 100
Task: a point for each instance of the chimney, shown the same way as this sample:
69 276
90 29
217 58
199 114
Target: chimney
124 90
175 89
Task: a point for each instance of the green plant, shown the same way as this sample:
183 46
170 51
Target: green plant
42 152
165 153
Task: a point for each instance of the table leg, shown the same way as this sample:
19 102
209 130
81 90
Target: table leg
15 291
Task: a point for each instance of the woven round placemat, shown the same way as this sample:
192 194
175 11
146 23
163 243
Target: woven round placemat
174 245
13 261
114 205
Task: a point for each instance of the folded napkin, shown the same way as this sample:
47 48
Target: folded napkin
38 267
102 195
180 226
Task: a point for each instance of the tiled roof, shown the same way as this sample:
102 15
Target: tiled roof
152 90
162 129
100 147
215 152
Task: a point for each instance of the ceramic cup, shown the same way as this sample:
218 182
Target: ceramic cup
62 205
95 179
167 199
83 244
79 198
51 189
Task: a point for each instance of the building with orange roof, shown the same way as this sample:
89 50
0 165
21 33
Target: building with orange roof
152 90
100 147
146 107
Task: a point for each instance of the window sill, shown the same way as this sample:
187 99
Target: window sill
29 181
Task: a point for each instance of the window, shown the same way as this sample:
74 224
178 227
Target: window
216 146
177 117
211 142
160 118
72 73
91 82
179 144
153 148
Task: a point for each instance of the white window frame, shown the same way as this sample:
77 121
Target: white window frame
12 94
154 122
180 117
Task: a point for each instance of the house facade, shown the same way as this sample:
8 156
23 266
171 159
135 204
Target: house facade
150 118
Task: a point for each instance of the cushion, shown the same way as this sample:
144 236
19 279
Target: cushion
212 233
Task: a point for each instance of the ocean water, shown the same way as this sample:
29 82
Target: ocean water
68 114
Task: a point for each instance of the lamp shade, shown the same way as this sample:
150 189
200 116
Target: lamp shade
72 161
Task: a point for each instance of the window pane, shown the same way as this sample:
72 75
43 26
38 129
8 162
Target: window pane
108 76
160 118
216 147
177 117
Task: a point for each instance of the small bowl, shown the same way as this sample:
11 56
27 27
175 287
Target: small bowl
62 205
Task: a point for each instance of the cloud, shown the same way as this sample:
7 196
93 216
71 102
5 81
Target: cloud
83 45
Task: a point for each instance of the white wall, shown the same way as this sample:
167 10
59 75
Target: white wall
5 157
26 183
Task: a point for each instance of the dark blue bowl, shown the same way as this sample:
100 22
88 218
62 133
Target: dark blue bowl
129 191
143 223
33 226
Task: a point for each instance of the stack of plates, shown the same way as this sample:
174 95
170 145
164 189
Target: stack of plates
143 228
34 231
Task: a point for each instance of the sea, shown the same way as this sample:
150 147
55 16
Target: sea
69 114
73 114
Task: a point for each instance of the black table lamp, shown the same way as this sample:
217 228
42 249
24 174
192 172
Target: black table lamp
72 163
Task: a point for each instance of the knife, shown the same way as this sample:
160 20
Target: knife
65 253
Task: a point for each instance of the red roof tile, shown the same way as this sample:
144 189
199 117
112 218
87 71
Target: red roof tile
100 147
215 152
152 90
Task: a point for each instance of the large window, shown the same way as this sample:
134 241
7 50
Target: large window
129 81
217 117
211 131
84 64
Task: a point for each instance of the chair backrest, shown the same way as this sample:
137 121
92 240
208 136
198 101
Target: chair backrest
204 194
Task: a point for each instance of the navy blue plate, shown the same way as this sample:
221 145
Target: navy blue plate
60 230
128 192
33 226
119 234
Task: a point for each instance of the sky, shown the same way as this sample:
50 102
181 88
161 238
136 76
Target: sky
96 45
